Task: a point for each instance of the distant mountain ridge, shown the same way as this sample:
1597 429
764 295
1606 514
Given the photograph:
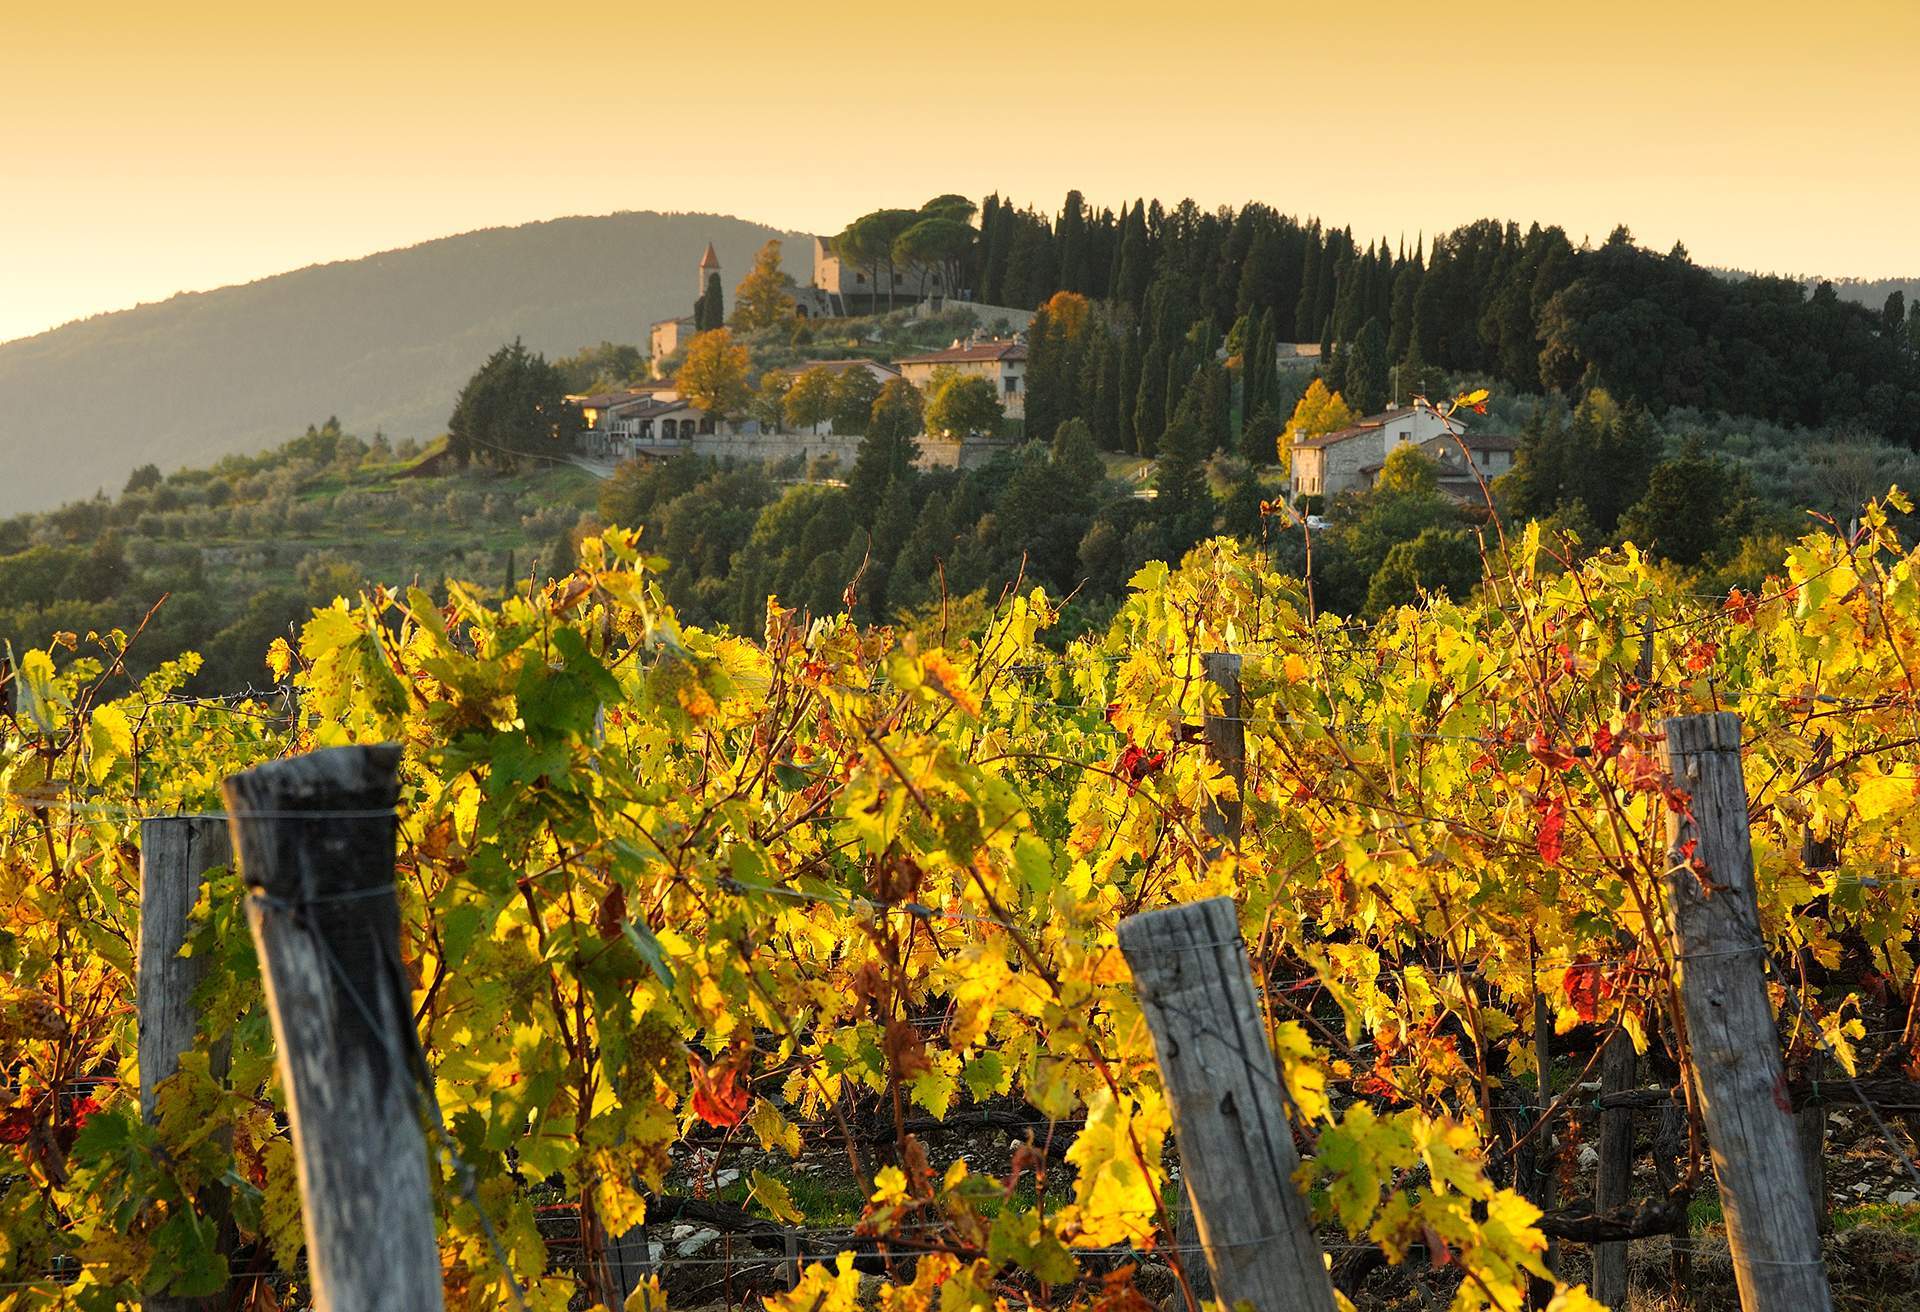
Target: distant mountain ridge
1870 292
384 342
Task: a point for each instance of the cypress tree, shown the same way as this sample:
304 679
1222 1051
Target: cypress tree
1365 370
1104 400
1150 399
1135 270
709 312
1269 361
1304 328
1182 503
1127 394
1178 372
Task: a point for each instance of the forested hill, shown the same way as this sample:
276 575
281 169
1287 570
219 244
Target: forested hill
383 342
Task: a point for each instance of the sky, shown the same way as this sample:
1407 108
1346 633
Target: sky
148 149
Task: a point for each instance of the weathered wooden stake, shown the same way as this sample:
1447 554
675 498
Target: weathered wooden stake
1229 1106
1226 738
625 1257
1810 1126
315 835
1542 1190
176 853
1731 1034
1670 1150
1186 1238
1816 854
1613 1182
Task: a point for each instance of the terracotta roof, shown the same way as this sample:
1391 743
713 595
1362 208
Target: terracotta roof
621 396
649 408
1361 427
1334 438
970 352
601 400
839 366
710 260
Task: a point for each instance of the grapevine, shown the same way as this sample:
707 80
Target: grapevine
661 884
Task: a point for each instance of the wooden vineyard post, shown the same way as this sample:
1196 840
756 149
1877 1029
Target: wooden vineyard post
1226 738
1541 1187
1733 1043
1613 1178
1613 1181
176 852
627 1260
316 835
1229 1106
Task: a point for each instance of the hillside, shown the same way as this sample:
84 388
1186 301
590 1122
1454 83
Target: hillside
383 342
241 551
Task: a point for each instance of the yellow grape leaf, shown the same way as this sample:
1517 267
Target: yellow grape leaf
1838 1033
1451 1150
34 679
1880 795
821 1290
773 1195
1575 1300
109 739
280 1205
647 1296
1113 1192
1306 1080
889 1185
280 659
773 1129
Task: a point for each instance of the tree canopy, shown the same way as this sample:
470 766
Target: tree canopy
513 406
1318 413
714 374
962 405
764 297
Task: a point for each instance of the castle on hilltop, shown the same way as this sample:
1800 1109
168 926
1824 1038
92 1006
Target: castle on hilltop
837 289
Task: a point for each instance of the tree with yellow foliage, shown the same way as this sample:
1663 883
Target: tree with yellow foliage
765 296
1320 412
714 373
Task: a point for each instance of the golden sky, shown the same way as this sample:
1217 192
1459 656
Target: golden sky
149 148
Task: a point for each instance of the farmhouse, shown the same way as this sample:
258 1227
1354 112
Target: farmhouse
639 420
1491 455
1002 361
1348 459
840 288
